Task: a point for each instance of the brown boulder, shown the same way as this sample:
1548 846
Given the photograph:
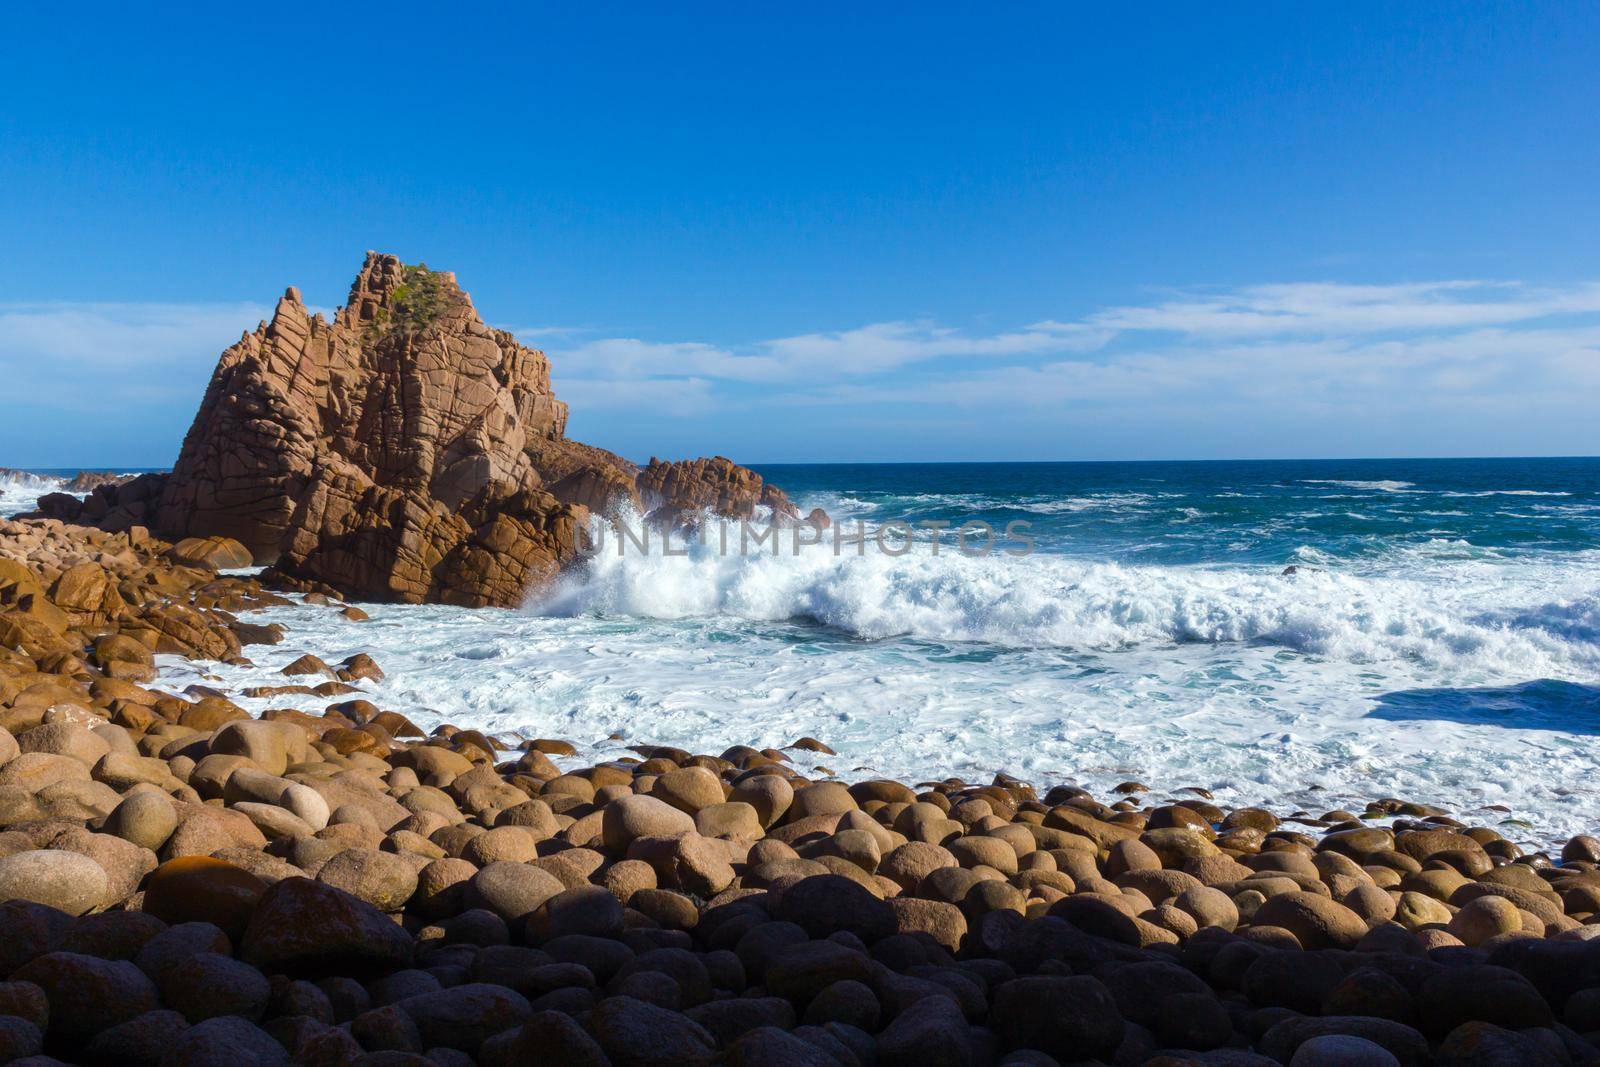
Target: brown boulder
66 881
215 552
202 889
302 927
1315 921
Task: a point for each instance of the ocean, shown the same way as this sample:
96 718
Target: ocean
1437 638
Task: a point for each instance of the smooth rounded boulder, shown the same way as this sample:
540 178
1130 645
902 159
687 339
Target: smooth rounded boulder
631 817
304 928
66 881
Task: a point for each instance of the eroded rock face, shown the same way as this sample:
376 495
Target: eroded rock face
403 451
381 453
718 484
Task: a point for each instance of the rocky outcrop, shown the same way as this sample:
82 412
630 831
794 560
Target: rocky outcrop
718 485
88 481
114 506
403 451
382 453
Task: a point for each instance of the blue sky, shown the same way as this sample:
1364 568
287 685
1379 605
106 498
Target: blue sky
811 233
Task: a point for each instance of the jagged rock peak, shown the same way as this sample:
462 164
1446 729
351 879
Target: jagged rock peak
403 451
390 295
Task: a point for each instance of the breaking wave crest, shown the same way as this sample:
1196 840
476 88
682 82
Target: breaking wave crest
20 490
1440 612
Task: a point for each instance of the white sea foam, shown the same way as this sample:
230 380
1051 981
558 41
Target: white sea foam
1434 669
1261 688
1043 601
1385 486
20 491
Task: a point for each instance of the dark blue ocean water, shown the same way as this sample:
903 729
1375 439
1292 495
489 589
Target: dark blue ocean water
1238 512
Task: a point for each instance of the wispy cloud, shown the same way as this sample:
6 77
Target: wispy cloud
113 334
874 349
1321 347
1250 355
1323 308
658 396
102 356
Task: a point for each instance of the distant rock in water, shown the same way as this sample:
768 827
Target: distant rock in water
403 451
88 481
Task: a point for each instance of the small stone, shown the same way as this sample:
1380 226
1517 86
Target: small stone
1480 993
19 1039
463 1016
1484 918
1342 1050
849 1002
1316 921
688 789
827 904
113 935
589 909
176 944
1069 1018
802 971
143 1041
146 819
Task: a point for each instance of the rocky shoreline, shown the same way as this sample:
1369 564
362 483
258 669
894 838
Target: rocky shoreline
186 884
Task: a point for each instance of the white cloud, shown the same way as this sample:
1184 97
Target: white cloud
1320 349
653 396
1249 354
114 335
867 350
1329 308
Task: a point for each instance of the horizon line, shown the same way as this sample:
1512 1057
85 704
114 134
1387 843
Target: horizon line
131 469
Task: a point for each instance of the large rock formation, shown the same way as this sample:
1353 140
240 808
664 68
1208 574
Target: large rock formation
404 451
